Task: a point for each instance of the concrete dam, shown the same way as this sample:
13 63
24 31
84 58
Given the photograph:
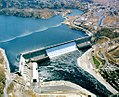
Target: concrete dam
57 49
47 53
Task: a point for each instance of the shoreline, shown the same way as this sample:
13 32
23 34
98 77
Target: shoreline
7 72
28 16
78 88
71 25
29 13
85 64
6 60
63 13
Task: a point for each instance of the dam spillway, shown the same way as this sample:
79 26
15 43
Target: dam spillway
57 49
51 52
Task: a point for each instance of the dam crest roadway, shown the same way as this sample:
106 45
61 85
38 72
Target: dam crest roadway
42 53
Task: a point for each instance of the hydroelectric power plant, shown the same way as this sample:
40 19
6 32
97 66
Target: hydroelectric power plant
59 63
57 49
52 48
51 52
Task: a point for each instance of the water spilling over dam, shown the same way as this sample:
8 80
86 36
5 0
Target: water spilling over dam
57 49
60 50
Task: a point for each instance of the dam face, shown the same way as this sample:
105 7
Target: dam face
60 50
52 51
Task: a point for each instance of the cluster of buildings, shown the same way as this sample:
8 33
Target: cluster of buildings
99 15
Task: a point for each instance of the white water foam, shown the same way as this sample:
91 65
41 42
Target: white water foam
62 49
29 33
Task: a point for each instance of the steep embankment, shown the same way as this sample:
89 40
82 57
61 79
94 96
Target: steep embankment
2 74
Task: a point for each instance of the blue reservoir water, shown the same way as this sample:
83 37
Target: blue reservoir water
75 12
24 34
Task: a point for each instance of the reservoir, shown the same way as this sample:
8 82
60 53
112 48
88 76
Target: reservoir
19 35
76 12
24 34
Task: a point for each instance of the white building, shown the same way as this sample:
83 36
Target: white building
35 72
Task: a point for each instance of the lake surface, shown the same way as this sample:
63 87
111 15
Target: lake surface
76 12
23 34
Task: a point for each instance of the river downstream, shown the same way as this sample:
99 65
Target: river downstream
65 67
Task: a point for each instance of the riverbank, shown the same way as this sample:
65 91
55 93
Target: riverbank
85 63
6 72
70 21
73 88
6 62
29 13
35 13
3 73
51 88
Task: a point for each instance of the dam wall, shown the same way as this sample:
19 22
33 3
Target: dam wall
56 50
49 52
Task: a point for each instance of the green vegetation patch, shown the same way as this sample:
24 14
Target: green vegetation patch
1 58
96 62
10 88
108 32
1 89
100 54
112 77
2 81
1 61
103 62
